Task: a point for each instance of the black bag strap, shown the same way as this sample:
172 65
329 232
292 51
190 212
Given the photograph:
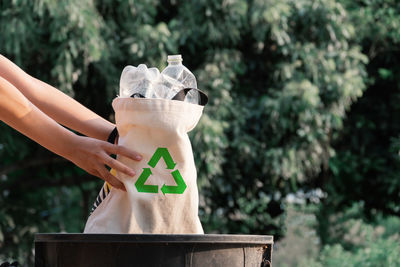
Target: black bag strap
113 136
137 95
182 94
111 139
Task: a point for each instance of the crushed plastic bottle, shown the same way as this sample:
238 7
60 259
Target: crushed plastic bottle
177 71
139 81
143 82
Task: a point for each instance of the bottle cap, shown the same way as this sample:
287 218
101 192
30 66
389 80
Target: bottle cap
174 58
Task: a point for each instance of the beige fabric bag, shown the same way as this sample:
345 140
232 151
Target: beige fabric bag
162 198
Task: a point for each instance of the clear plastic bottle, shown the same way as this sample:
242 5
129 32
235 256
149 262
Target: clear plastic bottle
139 81
176 70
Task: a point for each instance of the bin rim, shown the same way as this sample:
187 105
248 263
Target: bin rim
154 238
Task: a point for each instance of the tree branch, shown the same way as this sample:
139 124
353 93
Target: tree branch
30 163
30 183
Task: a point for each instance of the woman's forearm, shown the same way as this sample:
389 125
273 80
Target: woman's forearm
22 115
69 112
57 105
90 154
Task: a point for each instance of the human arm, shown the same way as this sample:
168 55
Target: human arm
57 105
88 153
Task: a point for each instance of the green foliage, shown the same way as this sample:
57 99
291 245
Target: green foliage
285 89
281 77
382 252
356 243
366 164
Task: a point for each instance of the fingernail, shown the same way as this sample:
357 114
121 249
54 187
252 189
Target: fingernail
132 173
138 157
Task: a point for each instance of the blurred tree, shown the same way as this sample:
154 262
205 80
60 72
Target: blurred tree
58 43
353 242
366 167
278 93
280 76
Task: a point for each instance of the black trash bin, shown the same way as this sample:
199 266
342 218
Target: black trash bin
148 250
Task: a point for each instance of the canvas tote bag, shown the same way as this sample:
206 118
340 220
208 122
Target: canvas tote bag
162 198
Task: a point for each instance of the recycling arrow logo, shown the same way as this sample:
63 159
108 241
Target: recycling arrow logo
180 186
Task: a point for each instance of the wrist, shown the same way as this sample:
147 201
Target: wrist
70 145
101 130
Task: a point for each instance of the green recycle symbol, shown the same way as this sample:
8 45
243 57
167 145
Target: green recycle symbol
180 186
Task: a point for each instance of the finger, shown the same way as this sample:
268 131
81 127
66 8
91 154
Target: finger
123 151
105 177
117 165
111 179
97 174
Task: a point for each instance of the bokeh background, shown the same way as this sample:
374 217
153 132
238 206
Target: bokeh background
300 140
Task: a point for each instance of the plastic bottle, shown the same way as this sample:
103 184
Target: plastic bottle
139 81
176 70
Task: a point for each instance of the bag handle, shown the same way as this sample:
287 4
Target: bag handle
113 136
182 94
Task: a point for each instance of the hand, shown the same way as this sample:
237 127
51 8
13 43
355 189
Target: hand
93 155
88 153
